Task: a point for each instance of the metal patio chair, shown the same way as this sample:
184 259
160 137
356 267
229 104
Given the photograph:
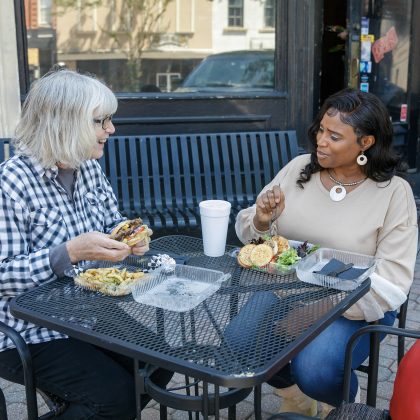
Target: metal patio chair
355 411
54 403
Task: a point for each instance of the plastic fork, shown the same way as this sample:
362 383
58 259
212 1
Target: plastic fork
270 229
272 220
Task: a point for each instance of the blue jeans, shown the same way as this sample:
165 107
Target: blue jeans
318 369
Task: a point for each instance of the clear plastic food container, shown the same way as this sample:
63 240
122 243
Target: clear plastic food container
180 289
307 267
131 265
274 268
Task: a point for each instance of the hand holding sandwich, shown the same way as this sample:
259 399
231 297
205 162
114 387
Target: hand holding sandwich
133 233
95 246
140 248
269 206
128 237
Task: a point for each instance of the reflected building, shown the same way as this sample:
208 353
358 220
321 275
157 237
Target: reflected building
153 43
41 34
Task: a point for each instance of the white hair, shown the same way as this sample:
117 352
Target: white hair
57 125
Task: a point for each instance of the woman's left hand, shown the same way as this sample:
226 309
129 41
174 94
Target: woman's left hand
140 248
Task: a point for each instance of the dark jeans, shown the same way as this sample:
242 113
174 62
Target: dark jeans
97 384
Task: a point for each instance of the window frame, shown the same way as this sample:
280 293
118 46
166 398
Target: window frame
44 24
280 51
92 16
232 8
270 17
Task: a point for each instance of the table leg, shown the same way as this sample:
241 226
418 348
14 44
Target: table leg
257 402
140 375
163 412
139 386
205 400
232 412
196 389
216 402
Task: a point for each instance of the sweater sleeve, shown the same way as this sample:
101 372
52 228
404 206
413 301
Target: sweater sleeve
397 250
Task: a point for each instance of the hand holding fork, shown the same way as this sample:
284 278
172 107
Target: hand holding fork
269 206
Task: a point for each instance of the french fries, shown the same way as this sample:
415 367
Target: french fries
111 281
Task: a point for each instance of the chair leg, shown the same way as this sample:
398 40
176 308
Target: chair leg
402 318
257 402
373 370
3 407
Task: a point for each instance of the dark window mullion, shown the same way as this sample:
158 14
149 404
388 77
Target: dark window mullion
22 47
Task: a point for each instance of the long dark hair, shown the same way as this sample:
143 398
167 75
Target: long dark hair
368 116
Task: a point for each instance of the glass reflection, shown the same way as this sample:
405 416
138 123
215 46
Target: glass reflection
156 45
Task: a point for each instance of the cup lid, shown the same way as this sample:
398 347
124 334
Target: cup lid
215 208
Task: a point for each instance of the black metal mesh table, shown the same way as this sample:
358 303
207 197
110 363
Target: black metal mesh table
237 338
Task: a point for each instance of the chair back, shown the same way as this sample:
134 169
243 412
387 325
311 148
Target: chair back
372 368
375 331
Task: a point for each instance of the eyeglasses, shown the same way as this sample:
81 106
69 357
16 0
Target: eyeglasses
104 122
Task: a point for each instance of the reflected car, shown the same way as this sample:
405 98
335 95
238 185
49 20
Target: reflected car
239 71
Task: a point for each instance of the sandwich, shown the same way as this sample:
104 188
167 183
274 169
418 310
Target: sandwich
244 254
282 243
131 232
261 255
262 251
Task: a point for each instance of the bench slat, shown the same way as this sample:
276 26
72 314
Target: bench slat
156 172
133 142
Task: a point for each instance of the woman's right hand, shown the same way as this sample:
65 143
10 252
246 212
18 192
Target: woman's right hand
96 246
269 207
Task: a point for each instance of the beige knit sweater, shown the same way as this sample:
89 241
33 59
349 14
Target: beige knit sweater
377 219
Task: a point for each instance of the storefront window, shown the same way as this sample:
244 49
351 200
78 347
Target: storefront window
156 45
384 64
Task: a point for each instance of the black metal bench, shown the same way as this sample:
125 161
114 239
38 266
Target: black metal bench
163 178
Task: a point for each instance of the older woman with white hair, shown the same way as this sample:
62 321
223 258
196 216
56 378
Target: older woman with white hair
56 208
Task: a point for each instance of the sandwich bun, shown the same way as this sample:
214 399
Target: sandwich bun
274 245
261 255
244 254
131 232
282 243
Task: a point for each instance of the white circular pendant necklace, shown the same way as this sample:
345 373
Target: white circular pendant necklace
338 192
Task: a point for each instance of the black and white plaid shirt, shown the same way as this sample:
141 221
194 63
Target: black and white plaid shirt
36 214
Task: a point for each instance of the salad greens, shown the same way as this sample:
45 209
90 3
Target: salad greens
293 255
288 257
303 249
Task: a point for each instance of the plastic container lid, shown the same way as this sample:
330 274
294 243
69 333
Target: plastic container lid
180 289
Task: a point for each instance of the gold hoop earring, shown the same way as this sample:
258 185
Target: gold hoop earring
361 159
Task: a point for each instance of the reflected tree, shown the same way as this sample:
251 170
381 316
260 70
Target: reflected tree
132 26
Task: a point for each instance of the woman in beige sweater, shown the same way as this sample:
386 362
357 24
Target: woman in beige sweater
344 195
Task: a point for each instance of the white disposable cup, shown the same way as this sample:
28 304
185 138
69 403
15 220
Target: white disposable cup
214 224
